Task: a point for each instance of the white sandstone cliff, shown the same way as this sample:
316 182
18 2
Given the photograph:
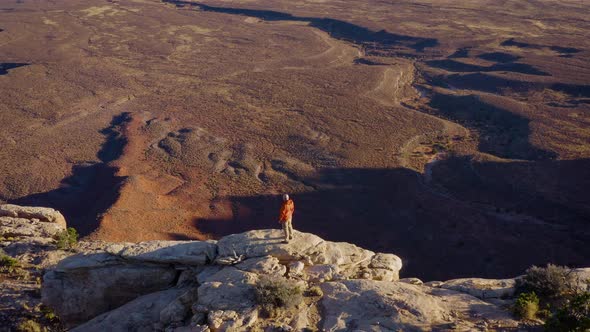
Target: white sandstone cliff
209 286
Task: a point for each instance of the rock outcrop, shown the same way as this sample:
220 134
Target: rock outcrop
26 235
210 285
223 274
34 213
365 305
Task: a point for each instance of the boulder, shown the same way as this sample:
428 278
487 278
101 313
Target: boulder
259 243
482 288
296 268
30 240
145 313
229 320
267 265
21 227
381 263
301 321
206 272
167 252
364 305
228 298
84 286
321 273
229 289
347 259
43 214
179 310
342 254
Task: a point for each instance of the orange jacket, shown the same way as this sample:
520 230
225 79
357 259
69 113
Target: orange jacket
287 210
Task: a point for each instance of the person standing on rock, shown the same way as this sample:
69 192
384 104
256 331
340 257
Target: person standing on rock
286 217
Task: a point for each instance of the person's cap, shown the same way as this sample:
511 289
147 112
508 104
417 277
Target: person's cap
285 197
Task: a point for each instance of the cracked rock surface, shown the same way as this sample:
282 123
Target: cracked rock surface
210 285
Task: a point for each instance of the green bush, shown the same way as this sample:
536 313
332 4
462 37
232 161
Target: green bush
67 239
574 316
275 294
7 261
554 284
527 306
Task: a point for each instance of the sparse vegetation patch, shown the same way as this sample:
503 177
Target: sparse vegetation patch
575 316
566 301
553 283
276 294
7 261
67 239
527 306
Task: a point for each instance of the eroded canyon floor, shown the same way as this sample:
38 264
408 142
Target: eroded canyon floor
456 135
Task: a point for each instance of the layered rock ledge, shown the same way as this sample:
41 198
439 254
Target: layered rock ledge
209 285
218 275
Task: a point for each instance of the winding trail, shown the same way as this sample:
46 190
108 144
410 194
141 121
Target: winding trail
338 53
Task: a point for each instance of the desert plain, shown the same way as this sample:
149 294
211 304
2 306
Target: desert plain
455 134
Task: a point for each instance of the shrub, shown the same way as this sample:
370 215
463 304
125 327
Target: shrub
526 306
552 283
48 313
7 261
315 291
574 316
29 326
274 294
67 239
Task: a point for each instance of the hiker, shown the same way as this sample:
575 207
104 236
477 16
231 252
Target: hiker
286 217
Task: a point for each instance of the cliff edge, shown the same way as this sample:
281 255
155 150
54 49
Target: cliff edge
215 285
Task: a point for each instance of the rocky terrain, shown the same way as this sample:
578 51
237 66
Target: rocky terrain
209 285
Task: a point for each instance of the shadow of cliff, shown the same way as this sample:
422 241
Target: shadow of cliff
335 28
499 85
437 235
6 66
92 188
456 66
502 133
564 51
499 57
554 191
